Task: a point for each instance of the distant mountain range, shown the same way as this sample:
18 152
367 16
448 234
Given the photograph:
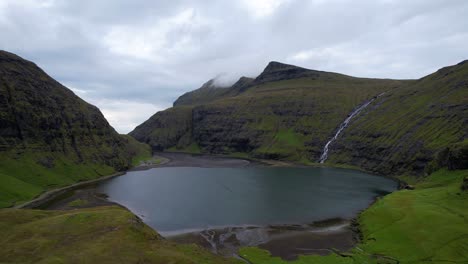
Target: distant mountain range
289 113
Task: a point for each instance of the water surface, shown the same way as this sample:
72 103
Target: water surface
180 199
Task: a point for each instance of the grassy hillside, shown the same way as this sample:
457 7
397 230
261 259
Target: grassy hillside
98 235
49 137
404 129
425 225
210 92
287 112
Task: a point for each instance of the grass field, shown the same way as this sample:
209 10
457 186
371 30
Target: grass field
425 225
98 235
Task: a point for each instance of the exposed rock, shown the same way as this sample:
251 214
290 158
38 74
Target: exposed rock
464 186
39 114
458 156
290 112
47 162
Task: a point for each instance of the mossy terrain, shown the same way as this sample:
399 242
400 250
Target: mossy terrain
285 113
50 138
98 235
404 130
289 113
26 174
138 151
425 225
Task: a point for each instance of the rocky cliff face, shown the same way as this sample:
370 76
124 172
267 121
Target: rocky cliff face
49 136
38 113
287 112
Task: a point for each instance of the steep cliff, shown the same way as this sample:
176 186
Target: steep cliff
405 129
287 112
49 136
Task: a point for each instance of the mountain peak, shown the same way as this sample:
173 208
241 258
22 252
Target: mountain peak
276 71
209 84
463 62
274 66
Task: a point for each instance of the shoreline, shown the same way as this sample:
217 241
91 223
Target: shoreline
54 193
287 241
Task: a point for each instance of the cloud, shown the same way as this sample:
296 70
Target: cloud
125 115
263 8
119 54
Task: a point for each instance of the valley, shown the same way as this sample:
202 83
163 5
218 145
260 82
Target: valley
283 168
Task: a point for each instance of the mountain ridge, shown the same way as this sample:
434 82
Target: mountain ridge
49 136
289 113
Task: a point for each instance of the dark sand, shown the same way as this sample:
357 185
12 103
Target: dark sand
285 241
203 161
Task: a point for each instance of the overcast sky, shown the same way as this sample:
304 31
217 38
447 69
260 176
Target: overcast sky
133 58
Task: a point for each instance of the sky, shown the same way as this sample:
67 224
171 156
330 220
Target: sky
134 58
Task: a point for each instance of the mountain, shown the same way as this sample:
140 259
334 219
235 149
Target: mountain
404 129
50 137
287 112
290 113
210 92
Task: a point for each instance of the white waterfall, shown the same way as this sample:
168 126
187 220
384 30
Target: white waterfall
343 125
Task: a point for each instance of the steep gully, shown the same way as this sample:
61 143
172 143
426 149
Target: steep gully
343 125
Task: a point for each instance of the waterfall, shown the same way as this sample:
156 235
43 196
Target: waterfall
343 125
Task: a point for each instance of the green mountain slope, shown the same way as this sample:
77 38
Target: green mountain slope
49 137
287 112
403 130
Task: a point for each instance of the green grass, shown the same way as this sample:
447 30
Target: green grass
22 178
193 148
138 151
97 235
425 225
78 203
23 175
409 126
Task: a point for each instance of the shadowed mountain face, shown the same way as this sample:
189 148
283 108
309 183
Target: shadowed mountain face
45 127
39 113
287 112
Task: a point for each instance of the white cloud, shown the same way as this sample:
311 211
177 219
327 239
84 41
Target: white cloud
141 55
125 115
263 8
154 40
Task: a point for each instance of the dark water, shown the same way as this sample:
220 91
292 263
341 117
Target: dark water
184 199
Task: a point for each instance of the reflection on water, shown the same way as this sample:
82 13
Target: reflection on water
177 199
